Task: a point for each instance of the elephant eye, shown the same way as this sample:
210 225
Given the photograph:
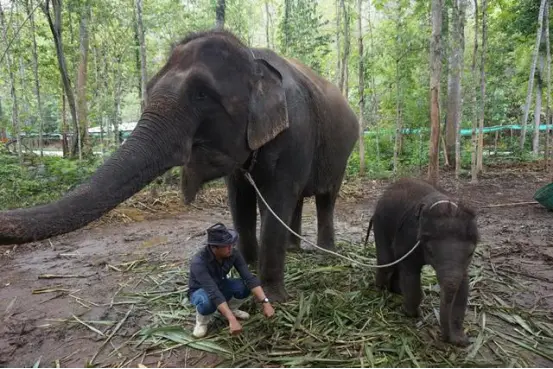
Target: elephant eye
200 95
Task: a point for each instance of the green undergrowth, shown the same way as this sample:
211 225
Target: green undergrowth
336 317
40 180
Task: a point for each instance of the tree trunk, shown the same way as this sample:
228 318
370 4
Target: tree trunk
454 107
267 24
286 23
462 4
531 78
338 46
345 55
548 95
64 142
55 28
361 90
539 90
397 140
137 51
537 112
143 74
444 74
117 102
220 14
435 73
473 167
30 15
82 113
15 107
479 158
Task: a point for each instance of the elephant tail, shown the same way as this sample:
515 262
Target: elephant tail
368 230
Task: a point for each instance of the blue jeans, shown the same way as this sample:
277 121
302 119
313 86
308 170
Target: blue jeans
231 288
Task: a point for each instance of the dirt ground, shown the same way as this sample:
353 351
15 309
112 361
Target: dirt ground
43 318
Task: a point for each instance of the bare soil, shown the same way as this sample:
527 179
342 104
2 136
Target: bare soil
40 316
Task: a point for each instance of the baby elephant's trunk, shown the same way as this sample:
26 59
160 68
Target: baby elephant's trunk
453 303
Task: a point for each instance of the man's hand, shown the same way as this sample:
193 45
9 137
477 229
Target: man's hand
268 310
235 327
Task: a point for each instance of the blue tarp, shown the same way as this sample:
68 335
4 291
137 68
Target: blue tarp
464 132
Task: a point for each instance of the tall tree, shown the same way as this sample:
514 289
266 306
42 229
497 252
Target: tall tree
482 106
15 108
435 74
220 14
462 4
345 56
143 73
539 88
454 102
268 24
532 73
399 54
30 14
548 94
55 28
361 88
338 46
474 138
82 112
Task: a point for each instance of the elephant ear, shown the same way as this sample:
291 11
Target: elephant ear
268 113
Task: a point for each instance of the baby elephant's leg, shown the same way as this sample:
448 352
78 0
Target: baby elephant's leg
410 284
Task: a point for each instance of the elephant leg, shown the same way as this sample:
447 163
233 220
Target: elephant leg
410 284
274 237
243 202
325 219
384 255
295 242
395 282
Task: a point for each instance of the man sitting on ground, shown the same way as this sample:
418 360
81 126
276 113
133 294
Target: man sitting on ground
209 289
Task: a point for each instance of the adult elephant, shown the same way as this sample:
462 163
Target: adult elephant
215 108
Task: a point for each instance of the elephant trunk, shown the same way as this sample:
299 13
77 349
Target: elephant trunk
451 299
151 150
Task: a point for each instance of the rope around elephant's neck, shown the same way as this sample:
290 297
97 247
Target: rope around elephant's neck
250 179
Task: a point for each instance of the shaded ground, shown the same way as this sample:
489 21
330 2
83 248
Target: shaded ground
71 320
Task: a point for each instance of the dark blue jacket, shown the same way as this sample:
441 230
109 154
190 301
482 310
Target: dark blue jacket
207 273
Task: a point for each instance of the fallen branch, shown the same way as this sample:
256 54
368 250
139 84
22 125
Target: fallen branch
511 204
52 276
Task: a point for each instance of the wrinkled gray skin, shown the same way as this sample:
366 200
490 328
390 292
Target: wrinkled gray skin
448 236
212 105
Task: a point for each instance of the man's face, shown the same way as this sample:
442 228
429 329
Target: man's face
222 251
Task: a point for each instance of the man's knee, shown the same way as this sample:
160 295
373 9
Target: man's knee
202 302
239 289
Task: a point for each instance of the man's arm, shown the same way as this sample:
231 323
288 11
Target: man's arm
240 264
252 282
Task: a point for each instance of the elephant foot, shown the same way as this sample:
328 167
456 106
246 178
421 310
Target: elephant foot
276 292
293 246
458 339
327 245
381 279
412 312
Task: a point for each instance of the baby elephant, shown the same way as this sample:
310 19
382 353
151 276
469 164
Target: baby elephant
412 210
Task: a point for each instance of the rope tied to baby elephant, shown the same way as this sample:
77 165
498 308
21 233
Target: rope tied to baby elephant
250 179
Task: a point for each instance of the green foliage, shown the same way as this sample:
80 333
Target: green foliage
396 69
302 34
40 180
